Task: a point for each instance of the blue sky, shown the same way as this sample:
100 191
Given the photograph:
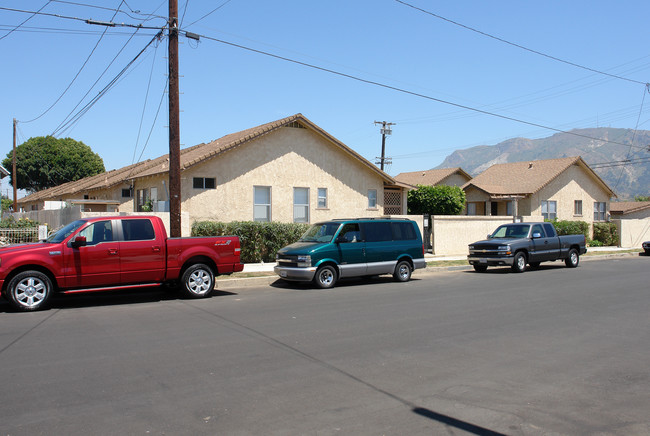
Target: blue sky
226 88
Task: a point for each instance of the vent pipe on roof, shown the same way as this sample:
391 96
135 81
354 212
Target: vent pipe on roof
530 165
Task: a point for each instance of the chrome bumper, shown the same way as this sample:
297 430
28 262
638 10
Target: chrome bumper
297 274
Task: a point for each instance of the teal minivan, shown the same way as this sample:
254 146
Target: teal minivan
359 247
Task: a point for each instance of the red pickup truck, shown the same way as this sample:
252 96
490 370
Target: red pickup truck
107 253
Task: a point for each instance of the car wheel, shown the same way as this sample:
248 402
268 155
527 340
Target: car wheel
325 277
480 268
197 281
519 264
29 290
402 271
572 259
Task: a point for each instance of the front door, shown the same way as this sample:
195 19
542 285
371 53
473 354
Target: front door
95 264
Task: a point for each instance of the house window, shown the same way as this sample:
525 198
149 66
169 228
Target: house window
549 210
144 200
300 205
510 208
204 183
600 211
471 208
577 207
262 203
372 199
322 198
126 193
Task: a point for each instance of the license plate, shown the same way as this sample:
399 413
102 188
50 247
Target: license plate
482 260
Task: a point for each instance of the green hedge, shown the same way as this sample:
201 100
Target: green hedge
606 233
259 241
571 228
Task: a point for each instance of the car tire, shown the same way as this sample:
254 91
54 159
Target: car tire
573 258
480 268
402 271
197 281
29 291
325 277
519 263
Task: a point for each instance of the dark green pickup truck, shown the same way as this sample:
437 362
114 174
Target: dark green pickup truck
518 244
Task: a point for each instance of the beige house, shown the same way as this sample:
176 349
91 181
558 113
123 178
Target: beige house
446 176
630 209
566 189
288 170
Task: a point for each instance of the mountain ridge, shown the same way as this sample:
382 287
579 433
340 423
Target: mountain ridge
591 144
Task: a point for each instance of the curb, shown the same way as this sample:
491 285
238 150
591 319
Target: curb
249 282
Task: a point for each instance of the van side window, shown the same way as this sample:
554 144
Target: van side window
351 233
378 232
403 231
138 230
100 231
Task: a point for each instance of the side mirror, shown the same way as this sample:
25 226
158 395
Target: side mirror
489 236
537 235
79 241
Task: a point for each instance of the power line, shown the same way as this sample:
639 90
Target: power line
209 13
405 91
518 45
114 10
26 20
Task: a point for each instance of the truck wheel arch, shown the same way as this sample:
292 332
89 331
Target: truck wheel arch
519 261
38 268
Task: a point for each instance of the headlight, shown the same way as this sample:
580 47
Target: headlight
504 249
304 261
471 247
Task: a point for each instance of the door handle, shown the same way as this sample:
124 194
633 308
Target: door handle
112 251
155 248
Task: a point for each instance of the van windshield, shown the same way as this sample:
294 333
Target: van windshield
322 232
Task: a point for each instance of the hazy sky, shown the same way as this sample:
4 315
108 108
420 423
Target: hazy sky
415 60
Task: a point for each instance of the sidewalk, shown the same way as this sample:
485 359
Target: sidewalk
268 267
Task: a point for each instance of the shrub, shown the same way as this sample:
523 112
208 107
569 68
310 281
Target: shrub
606 233
571 227
11 223
259 241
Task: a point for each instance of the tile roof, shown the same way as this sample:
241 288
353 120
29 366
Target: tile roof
524 178
429 177
625 207
191 156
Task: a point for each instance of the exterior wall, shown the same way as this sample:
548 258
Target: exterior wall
453 233
284 159
633 232
639 215
573 184
454 180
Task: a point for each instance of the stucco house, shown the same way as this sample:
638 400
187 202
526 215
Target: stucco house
630 209
445 176
565 188
289 170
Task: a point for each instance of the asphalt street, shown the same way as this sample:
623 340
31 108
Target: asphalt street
553 351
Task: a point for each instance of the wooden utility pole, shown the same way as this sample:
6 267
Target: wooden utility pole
384 131
174 126
14 176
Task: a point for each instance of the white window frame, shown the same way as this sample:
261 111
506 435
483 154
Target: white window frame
322 198
266 207
546 212
300 210
600 211
577 207
203 184
372 202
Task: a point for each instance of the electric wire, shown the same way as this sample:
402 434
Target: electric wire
113 10
26 20
209 13
144 107
70 120
404 91
76 75
593 70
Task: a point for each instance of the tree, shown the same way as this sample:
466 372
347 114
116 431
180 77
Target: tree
45 161
642 198
436 200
